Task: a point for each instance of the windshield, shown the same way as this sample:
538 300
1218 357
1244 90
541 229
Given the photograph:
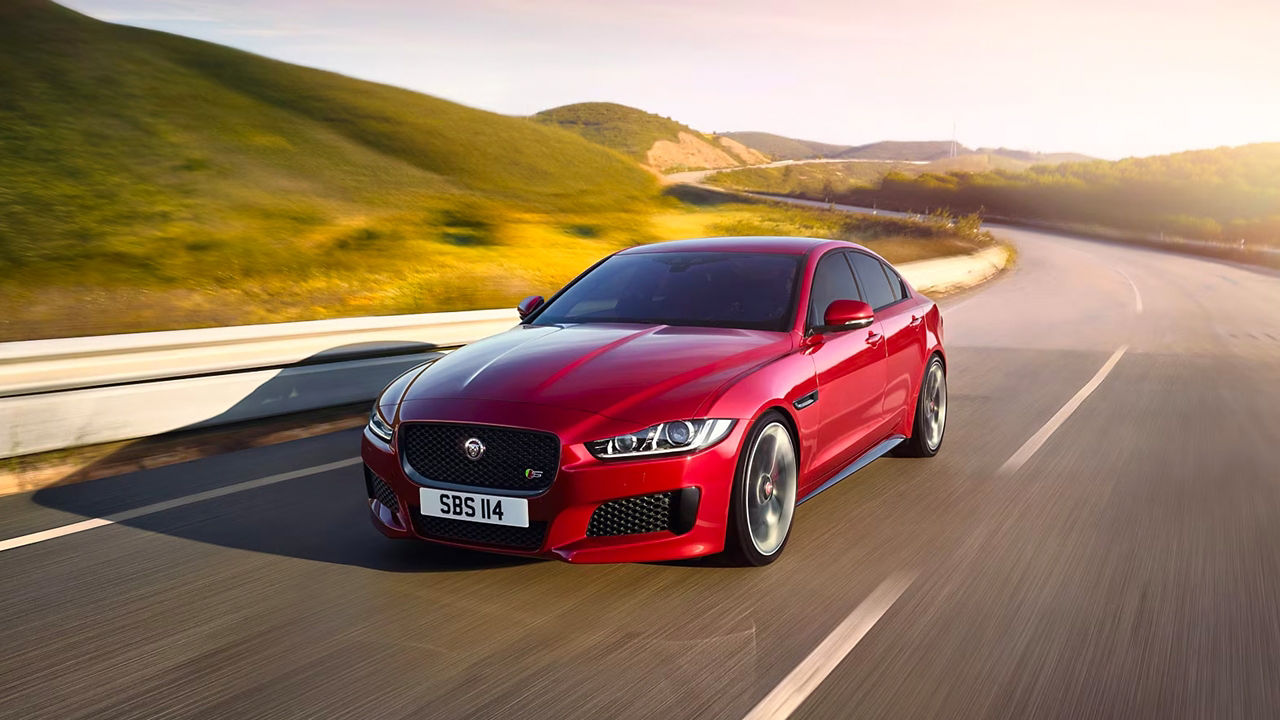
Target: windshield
753 291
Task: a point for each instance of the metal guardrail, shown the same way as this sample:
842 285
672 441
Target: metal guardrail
70 392
39 366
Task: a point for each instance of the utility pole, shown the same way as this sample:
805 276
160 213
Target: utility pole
953 137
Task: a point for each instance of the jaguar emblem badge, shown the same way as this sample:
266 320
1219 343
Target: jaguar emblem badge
473 448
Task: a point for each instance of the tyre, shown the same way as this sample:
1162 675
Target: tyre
931 414
764 493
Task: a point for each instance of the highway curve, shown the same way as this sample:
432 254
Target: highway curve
1099 537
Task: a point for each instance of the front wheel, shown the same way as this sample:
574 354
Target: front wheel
764 493
931 414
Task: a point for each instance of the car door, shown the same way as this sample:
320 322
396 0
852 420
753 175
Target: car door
902 322
850 368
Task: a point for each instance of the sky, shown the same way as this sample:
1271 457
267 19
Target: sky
1110 78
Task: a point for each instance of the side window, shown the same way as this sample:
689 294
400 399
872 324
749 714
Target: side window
895 282
871 275
832 280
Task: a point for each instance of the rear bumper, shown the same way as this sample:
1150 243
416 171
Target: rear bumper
702 482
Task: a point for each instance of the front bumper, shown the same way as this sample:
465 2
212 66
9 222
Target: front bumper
702 482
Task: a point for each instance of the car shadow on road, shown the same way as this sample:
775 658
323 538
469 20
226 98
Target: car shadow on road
321 516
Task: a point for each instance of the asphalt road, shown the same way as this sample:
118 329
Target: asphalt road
1125 564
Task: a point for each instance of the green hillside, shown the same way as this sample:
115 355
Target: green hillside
626 129
779 147
157 173
116 142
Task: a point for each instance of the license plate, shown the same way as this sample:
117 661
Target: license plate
492 509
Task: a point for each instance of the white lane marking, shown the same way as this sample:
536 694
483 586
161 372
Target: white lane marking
810 673
1137 296
122 516
1033 443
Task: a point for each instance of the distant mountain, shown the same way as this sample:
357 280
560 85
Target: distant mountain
658 142
1036 158
785 148
910 151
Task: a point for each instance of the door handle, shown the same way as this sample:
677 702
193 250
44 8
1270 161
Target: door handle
874 338
915 321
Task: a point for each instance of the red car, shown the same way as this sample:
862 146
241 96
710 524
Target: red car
675 400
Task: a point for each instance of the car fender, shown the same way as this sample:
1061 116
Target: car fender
780 384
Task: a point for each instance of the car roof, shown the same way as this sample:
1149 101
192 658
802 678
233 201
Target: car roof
757 244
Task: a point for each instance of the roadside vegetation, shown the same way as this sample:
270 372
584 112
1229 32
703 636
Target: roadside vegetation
1223 195
150 181
821 181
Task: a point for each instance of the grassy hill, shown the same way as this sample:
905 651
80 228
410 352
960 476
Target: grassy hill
656 141
779 147
168 129
626 129
131 158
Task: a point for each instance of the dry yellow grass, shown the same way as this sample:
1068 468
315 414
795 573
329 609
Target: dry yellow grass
521 254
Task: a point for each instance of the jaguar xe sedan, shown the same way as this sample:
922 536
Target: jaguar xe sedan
675 400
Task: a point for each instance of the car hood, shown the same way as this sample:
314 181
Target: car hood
640 373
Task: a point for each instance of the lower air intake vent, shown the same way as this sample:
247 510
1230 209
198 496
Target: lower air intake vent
379 490
634 515
463 531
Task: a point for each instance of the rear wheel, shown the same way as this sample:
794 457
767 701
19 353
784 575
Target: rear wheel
931 414
764 493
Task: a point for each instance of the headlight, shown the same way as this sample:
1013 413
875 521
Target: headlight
380 428
663 439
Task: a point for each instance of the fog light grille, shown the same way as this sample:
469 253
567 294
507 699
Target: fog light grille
633 515
382 492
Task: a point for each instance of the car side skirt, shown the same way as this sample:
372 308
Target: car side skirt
864 460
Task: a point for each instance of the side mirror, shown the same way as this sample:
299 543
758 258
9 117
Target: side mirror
528 305
848 315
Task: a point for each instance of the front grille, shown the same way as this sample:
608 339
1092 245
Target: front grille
515 460
634 515
379 489
498 536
